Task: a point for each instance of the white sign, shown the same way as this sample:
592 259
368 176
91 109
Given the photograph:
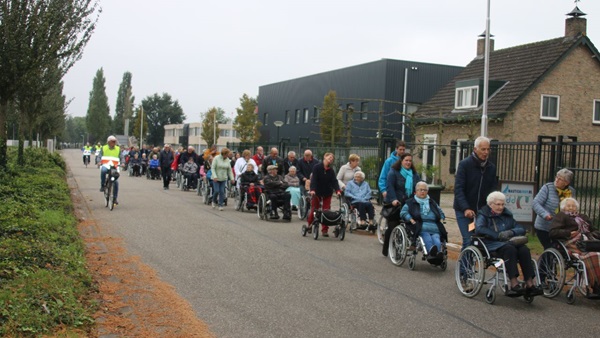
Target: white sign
519 200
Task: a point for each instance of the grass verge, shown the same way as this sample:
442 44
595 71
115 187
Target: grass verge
44 283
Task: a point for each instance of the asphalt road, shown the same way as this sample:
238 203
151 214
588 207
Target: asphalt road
250 278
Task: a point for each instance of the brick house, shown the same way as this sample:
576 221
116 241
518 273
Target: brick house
548 88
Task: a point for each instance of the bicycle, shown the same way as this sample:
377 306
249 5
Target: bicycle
112 176
86 157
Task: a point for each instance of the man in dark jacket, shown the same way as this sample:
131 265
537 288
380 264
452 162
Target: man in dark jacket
290 161
166 158
272 159
191 152
305 168
475 180
275 188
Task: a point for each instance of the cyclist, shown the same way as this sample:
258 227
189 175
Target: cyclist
109 155
87 152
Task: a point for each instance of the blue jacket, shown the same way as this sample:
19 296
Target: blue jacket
473 184
382 182
396 189
545 203
489 226
358 193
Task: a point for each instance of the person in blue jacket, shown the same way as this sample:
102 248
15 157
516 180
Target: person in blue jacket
394 156
497 226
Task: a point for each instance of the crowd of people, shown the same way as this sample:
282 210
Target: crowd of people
478 206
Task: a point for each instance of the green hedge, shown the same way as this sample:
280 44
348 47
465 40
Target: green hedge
43 279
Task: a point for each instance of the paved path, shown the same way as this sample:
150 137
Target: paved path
250 278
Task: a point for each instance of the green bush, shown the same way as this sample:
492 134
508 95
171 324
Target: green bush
43 279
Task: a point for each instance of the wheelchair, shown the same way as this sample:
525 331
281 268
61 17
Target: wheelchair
207 191
554 264
240 196
399 249
353 218
199 186
336 219
153 174
184 185
471 266
264 207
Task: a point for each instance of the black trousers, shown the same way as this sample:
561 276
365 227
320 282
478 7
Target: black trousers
280 199
513 254
166 176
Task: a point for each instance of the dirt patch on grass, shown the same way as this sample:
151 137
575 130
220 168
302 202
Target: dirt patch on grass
133 301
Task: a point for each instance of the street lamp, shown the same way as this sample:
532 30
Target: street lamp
141 126
278 124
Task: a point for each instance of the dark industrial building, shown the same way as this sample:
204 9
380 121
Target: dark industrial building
372 97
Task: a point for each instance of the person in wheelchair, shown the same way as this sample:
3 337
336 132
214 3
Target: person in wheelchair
358 195
293 182
424 218
136 164
190 171
250 185
144 163
275 188
497 226
572 227
154 167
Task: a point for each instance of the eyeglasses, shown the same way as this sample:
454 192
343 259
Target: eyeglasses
499 204
422 190
558 178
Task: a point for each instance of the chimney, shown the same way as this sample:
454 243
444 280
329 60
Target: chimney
481 45
576 24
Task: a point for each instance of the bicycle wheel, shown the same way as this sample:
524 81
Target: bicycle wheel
108 195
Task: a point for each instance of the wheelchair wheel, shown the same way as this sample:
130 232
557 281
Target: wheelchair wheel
304 230
490 296
315 229
551 267
412 262
178 179
398 245
469 271
571 297
261 207
199 187
342 231
183 185
352 223
303 208
238 202
381 229
444 264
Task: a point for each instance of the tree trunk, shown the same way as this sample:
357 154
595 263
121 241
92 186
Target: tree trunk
3 135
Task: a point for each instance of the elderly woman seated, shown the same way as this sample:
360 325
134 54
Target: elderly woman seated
358 193
571 226
424 217
497 226
293 182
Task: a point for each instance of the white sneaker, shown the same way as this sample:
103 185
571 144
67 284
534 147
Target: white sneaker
220 208
213 205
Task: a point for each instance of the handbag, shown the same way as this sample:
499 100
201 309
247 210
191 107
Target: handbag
519 240
390 211
592 245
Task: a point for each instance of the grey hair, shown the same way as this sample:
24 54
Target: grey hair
563 203
421 183
360 173
495 196
291 152
481 139
565 174
293 167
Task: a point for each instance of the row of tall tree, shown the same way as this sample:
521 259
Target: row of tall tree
39 42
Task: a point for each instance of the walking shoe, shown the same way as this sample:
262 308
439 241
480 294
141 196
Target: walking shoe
116 202
101 189
274 215
213 205
534 291
220 208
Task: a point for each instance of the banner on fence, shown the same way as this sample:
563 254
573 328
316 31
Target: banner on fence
519 200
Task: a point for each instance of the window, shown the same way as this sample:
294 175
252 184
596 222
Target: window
466 97
297 120
305 115
287 117
316 114
266 119
364 111
550 107
596 119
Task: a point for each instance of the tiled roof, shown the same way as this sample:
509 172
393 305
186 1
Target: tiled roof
520 66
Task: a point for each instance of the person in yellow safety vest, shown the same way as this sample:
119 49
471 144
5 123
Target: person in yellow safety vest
109 156
87 151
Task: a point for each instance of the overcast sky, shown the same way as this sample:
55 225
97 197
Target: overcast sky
209 53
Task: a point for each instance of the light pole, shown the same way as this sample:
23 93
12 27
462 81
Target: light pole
486 75
404 105
215 128
141 126
278 124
